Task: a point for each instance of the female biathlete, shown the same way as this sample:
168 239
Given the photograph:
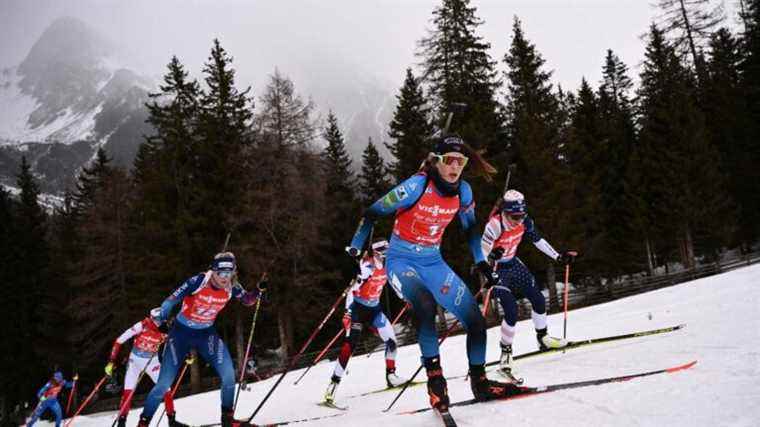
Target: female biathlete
424 205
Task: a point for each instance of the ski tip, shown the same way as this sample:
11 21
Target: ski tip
682 367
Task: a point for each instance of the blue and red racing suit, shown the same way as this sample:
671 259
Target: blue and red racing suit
414 262
194 329
48 396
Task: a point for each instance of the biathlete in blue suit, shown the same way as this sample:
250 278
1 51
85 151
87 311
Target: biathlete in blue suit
48 397
423 206
203 296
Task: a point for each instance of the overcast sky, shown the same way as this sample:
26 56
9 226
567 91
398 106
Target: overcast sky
374 35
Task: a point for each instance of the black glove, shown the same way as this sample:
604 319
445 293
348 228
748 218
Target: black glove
486 272
496 254
263 285
355 255
567 257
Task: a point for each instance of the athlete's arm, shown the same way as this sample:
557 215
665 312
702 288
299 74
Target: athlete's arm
126 335
247 298
538 241
403 196
187 288
490 234
469 222
43 389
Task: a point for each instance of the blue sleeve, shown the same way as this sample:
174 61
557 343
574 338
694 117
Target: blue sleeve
403 196
184 290
468 221
246 297
43 389
531 231
68 384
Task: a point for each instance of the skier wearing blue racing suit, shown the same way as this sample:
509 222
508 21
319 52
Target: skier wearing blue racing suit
424 205
48 397
203 296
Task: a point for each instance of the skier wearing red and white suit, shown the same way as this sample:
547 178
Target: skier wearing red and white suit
148 335
363 307
501 237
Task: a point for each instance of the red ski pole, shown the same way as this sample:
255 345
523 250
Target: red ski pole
321 354
300 352
86 401
71 393
174 389
567 289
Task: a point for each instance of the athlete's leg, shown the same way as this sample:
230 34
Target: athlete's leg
386 333
360 314
405 275
451 293
56 408
38 411
526 283
178 344
215 353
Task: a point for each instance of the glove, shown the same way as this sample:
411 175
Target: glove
190 359
486 272
42 398
496 254
163 327
567 257
353 252
347 320
109 369
263 285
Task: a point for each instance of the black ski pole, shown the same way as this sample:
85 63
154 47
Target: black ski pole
295 358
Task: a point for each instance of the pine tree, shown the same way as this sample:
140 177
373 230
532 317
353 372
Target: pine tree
373 179
675 164
286 206
729 130
340 178
457 68
410 129
31 280
618 137
224 129
535 119
750 77
100 276
692 23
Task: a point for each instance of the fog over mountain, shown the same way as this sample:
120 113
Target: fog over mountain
75 72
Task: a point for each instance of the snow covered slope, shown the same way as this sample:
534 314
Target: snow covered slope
722 389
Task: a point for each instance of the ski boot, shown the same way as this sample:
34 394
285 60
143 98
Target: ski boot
173 421
548 342
484 389
330 392
393 380
228 420
505 365
436 385
144 422
122 422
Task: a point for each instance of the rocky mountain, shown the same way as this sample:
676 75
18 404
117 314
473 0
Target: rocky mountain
66 99
71 95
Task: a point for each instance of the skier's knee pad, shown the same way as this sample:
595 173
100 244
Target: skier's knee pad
424 308
390 349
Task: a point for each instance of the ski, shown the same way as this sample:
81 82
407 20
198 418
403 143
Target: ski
282 423
583 343
382 390
570 346
332 405
448 420
521 392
